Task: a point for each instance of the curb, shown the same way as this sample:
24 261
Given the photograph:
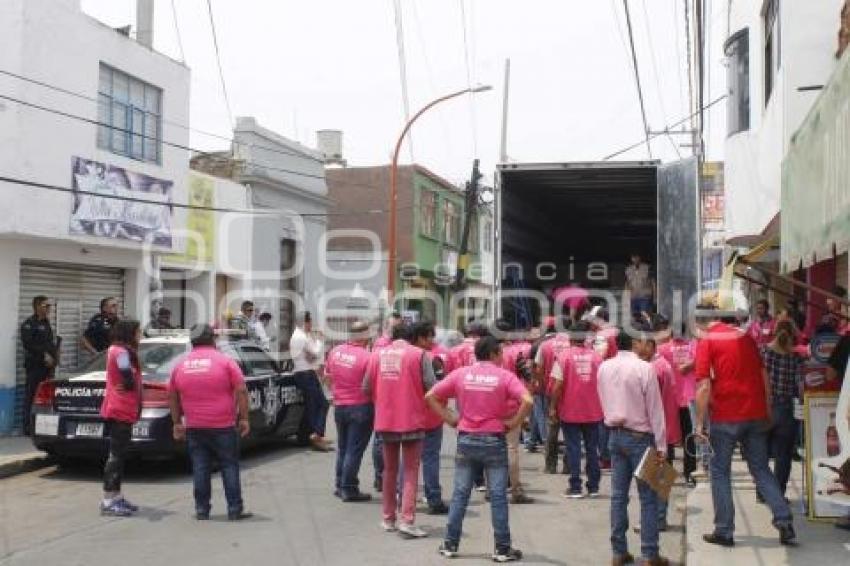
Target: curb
24 465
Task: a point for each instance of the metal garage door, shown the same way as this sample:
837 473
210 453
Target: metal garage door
76 292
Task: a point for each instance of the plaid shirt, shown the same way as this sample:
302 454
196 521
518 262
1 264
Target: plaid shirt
785 371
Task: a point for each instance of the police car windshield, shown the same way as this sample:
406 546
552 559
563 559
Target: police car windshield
157 360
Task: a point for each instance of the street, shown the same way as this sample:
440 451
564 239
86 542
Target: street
50 517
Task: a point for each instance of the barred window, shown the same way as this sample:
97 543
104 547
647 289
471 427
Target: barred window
451 223
130 114
428 211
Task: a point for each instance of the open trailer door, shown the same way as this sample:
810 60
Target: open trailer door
679 234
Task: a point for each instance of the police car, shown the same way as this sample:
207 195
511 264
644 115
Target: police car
66 419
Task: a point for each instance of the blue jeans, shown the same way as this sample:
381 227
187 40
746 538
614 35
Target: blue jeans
316 404
203 445
431 465
538 423
604 450
627 449
575 433
354 427
476 452
753 438
782 439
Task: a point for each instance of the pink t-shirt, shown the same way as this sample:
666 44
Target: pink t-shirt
679 352
462 355
346 365
206 381
486 394
383 341
580 395
762 331
669 398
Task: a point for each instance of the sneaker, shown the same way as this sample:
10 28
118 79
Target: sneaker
126 503
787 536
439 508
480 488
202 516
240 516
356 497
507 555
593 494
114 509
448 549
388 526
718 540
521 499
408 530
573 494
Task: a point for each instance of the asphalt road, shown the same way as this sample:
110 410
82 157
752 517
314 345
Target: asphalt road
51 517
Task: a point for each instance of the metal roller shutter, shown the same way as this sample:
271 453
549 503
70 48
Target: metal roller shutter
76 290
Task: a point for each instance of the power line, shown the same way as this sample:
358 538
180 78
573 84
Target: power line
218 61
690 68
177 31
402 69
255 211
172 144
666 129
656 75
678 42
471 102
637 76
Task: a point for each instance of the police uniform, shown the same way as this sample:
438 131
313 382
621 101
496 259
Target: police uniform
98 331
37 339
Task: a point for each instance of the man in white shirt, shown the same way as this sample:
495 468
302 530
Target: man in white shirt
306 352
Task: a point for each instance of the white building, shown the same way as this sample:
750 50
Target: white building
77 248
779 54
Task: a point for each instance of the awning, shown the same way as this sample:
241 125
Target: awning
816 179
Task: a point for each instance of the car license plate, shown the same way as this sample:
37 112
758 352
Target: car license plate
47 425
142 429
94 430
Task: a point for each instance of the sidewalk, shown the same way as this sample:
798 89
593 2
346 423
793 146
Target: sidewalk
18 455
756 541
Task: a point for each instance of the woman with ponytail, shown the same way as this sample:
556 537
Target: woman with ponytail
784 368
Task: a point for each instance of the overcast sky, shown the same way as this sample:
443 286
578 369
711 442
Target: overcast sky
299 66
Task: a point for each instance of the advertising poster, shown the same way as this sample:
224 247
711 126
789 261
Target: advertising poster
814 369
827 454
200 224
97 212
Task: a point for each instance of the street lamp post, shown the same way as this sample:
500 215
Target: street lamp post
391 264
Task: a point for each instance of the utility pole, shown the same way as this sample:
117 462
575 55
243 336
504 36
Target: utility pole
469 212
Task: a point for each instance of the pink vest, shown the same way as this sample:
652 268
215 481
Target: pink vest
346 365
679 352
551 350
580 397
462 355
669 398
120 405
398 392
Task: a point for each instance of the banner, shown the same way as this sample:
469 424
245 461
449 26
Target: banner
827 454
200 224
99 213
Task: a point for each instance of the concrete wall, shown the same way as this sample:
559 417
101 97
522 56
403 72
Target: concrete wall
753 157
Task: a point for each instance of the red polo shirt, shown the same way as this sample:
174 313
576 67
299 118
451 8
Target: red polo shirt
737 386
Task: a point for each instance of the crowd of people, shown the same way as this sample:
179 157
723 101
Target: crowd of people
616 395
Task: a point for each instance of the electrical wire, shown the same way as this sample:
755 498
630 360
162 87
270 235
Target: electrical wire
254 211
402 69
637 76
218 61
177 31
172 144
667 128
656 75
678 41
466 64
691 103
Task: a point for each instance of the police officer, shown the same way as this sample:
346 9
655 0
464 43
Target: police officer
40 351
96 338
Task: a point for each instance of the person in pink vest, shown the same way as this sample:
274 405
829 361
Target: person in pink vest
423 337
763 326
544 361
670 402
575 403
463 355
385 339
515 359
679 353
397 379
209 406
354 413
490 401
603 340
121 407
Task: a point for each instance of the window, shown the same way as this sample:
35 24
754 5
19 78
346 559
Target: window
737 50
772 46
428 211
131 112
451 222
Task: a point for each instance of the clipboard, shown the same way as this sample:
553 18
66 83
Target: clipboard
659 477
